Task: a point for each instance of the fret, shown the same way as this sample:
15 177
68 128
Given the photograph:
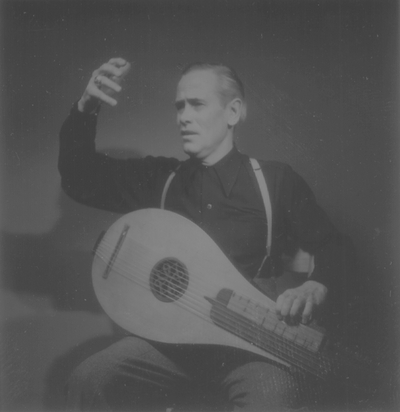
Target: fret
262 316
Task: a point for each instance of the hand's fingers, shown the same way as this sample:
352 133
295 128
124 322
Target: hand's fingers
107 99
96 92
297 305
278 305
281 303
107 70
301 301
307 312
118 61
103 83
102 88
286 305
100 81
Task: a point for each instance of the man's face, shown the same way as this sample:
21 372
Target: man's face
202 118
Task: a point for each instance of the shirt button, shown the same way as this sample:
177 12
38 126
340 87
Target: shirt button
209 206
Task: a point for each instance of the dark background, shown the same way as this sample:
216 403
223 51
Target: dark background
322 90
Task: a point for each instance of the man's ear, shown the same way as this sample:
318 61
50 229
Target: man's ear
234 111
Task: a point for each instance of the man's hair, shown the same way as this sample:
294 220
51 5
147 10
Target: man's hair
231 87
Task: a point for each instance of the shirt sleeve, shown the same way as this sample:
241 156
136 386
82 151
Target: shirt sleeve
98 180
309 228
302 223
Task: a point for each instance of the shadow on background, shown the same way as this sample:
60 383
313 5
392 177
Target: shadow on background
51 319
57 265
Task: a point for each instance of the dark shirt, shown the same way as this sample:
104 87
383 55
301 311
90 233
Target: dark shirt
223 199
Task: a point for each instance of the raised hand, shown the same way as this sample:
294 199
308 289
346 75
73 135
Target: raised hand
103 84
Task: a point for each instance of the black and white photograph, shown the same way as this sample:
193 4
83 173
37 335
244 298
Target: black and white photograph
199 205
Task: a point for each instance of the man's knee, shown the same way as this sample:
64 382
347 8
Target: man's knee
262 385
95 377
129 374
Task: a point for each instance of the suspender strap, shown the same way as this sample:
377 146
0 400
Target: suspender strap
267 202
264 193
166 186
259 175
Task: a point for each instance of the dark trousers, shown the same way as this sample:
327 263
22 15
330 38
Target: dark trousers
135 375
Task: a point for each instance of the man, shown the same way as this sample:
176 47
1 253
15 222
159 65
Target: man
216 189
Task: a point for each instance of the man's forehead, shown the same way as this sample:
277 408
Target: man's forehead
201 82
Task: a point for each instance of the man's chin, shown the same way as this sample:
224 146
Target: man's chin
190 150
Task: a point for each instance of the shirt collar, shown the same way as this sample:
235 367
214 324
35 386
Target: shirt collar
227 169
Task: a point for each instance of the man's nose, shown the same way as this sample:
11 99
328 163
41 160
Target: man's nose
184 115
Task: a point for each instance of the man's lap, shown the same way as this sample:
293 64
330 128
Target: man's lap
136 374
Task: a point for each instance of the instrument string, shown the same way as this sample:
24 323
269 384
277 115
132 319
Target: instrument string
130 271
268 313
196 301
278 345
193 303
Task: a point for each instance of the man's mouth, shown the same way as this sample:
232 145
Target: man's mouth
187 133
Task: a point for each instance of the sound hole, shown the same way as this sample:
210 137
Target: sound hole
169 280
